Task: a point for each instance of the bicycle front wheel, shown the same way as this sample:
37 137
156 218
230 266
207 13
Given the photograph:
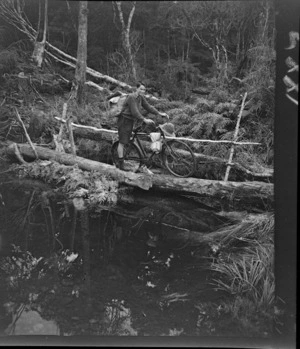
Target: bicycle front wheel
178 158
132 156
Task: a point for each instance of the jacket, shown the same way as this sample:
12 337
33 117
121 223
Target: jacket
133 107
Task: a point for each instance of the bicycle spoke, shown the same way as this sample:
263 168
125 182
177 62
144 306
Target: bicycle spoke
179 159
131 158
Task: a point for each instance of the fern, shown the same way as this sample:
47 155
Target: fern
204 105
165 104
219 95
94 187
211 125
225 107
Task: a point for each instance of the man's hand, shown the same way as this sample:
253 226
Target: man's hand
164 115
149 121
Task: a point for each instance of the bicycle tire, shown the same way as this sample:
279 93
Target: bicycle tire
132 156
178 158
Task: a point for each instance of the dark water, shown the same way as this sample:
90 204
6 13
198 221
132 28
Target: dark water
136 270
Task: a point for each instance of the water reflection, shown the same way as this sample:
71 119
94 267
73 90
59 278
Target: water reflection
118 319
135 269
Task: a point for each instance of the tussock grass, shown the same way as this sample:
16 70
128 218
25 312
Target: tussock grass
246 271
249 273
254 229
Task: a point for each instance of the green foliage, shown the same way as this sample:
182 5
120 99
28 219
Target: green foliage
245 267
220 95
18 268
177 49
225 107
210 126
165 105
204 105
176 77
73 182
250 273
183 119
8 61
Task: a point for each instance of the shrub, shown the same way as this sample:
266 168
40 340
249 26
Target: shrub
219 95
204 105
250 273
165 104
210 126
225 108
8 61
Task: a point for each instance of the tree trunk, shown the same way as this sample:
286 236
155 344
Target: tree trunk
80 73
126 36
250 193
16 18
39 47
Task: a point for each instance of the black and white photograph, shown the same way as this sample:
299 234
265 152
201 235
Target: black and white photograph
148 173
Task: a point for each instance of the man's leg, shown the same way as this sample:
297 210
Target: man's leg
120 151
125 127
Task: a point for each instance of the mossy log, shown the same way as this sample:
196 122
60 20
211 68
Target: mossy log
250 193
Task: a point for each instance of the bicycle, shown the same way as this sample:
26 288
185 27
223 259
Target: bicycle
176 156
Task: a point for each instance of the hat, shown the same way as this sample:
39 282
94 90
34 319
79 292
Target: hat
168 129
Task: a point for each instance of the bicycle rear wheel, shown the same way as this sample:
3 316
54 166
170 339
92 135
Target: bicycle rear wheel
178 158
132 156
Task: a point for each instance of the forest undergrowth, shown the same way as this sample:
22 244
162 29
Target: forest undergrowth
245 266
212 117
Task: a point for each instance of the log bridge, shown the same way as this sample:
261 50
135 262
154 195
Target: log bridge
249 193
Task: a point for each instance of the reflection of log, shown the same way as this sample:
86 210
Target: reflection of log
168 232
240 192
176 210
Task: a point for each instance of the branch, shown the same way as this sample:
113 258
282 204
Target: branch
18 154
26 134
235 138
90 71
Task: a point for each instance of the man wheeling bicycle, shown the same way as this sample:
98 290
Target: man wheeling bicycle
130 113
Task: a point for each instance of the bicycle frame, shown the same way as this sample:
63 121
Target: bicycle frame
170 156
145 158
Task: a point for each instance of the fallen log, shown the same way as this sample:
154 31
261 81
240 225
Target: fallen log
95 130
251 193
133 179
247 192
97 134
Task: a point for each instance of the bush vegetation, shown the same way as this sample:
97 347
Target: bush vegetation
244 269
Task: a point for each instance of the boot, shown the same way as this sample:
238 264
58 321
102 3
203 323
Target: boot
120 164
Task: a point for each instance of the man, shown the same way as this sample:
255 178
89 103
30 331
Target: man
132 112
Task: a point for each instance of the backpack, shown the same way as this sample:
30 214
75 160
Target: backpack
117 105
